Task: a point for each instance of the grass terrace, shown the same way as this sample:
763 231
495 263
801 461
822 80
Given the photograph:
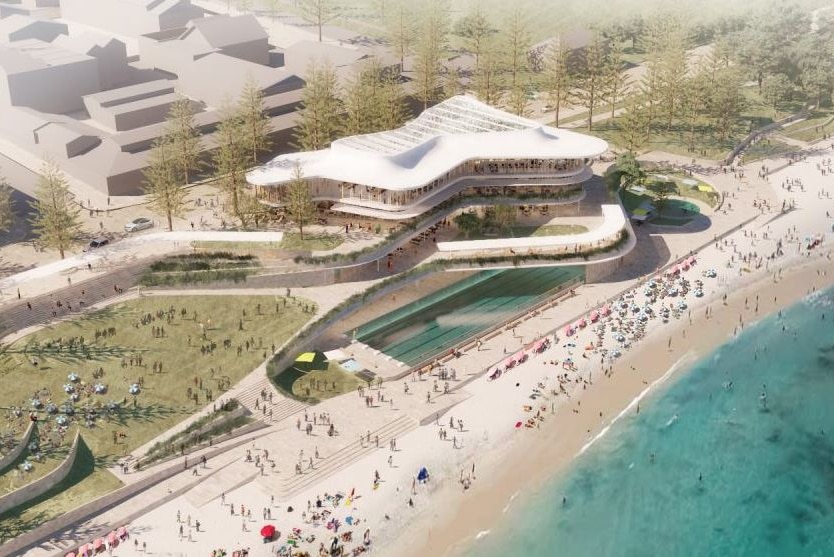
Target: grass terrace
311 242
315 380
204 344
525 232
812 128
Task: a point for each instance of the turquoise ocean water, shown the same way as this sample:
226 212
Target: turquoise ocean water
766 469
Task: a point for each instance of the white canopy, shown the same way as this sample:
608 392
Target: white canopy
441 138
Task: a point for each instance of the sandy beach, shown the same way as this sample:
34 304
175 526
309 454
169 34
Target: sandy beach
537 456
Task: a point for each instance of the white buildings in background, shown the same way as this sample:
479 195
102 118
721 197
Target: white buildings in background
90 82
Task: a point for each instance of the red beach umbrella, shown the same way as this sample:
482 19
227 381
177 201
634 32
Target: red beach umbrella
268 531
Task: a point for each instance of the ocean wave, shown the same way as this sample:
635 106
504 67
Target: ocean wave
657 382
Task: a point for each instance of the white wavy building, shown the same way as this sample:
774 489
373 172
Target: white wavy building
458 144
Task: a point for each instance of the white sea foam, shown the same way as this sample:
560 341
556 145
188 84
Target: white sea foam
482 534
507 506
659 381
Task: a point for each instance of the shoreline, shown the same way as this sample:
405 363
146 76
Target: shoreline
455 522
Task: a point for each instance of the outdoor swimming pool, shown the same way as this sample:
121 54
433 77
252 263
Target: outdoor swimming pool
432 325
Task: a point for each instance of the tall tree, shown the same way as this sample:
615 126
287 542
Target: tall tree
6 206
726 100
400 29
631 173
362 100
56 222
558 77
674 66
431 46
694 104
162 184
318 117
272 6
634 124
476 30
452 82
318 12
393 108
516 36
615 78
299 204
487 87
231 160
184 139
591 82
254 119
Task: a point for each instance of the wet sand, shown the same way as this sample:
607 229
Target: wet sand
456 519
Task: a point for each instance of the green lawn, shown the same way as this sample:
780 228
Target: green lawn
812 128
314 386
689 191
312 242
526 232
163 400
766 149
221 246
707 142
676 212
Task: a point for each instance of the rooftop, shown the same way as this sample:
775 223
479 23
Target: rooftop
441 138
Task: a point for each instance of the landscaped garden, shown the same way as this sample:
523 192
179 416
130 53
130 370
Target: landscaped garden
126 374
199 267
525 231
311 242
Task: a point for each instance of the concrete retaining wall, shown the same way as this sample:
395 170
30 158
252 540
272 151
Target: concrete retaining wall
6 461
42 485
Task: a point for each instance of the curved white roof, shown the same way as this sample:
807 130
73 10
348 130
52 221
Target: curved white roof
441 138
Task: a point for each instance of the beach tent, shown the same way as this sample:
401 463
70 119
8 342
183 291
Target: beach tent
308 361
569 330
121 532
704 188
98 544
112 539
594 316
538 346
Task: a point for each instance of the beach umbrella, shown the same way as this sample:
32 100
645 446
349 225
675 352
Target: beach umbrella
538 345
268 531
112 539
518 425
568 330
685 265
606 309
582 322
691 260
509 362
519 356
97 544
121 532
423 474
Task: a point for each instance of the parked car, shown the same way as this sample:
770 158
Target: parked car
97 243
136 225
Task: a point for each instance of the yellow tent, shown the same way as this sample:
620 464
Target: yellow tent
307 357
705 188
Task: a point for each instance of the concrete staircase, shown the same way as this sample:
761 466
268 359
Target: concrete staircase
17 316
344 457
281 406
